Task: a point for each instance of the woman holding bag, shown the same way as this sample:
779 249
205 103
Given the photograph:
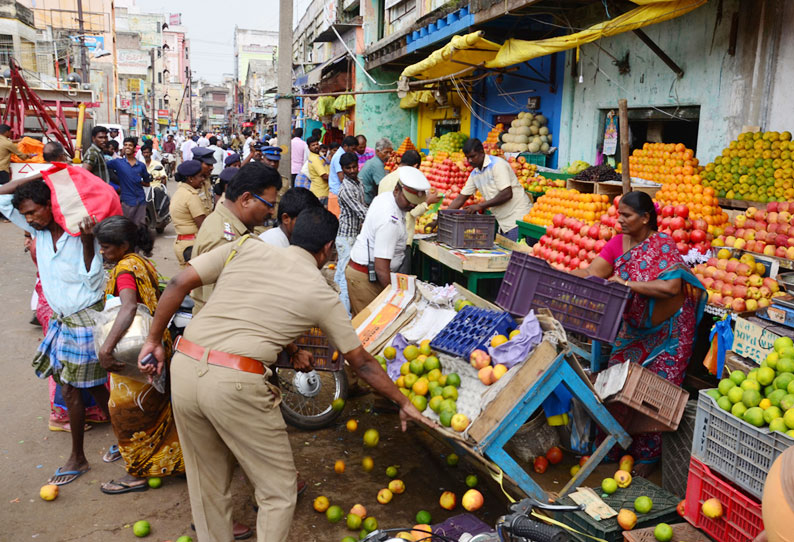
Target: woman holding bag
140 415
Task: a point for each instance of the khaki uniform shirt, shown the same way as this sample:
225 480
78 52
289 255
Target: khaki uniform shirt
252 314
388 184
186 205
219 228
206 195
7 148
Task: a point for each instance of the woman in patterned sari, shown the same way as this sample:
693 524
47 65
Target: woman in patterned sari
140 415
662 315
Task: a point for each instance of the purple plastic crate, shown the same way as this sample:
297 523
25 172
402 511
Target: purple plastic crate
456 526
591 306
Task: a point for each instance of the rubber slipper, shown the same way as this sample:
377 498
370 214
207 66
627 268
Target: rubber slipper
68 428
113 454
125 487
71 475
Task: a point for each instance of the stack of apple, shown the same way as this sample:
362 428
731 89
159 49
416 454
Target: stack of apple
523 169
448 173
541 184
768 231
570 244
687 234
737 284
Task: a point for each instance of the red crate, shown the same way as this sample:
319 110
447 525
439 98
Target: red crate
741 520
326 356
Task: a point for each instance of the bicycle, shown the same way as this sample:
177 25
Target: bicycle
514 527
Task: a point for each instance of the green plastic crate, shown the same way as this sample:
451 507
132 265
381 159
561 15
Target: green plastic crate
536 158
663 511
530 231
555 176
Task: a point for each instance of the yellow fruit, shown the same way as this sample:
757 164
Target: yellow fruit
765 403
339 466
627 519
411 352
321 504
49 492
405 368
397 486
371 438
514 333
712 508
448 500
623 478
459 422
359 510
499 339
338 404
472 500
421 531
420 386
574 470
424 347
499 371
389 352
400 382
352 425
384 496
406 536
367 464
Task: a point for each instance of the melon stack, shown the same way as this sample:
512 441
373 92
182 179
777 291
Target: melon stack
527 133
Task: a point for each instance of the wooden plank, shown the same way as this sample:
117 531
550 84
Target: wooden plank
456 262
585 187
531 370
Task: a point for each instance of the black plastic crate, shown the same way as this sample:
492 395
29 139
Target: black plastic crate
459 229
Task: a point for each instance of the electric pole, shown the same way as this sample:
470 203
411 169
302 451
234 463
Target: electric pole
284 97
190 94
83 58
154 80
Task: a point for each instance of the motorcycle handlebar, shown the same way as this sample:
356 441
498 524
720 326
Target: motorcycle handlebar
536 531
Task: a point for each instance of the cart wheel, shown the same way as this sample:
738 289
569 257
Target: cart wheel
307 397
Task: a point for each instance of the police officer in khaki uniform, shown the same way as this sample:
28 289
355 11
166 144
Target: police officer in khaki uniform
250 199
187 208
224 406
205 156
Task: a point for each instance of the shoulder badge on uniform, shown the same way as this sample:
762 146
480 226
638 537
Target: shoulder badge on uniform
228 232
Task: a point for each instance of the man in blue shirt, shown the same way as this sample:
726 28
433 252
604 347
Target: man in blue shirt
335 173
72 280
132 177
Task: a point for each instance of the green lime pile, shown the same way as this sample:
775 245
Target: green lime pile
422 381
764 397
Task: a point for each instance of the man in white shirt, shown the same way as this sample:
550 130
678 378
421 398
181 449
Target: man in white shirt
499 186
203 141
291 204
382 240
247 145
187 149
219 154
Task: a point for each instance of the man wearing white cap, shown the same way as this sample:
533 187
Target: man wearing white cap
381 244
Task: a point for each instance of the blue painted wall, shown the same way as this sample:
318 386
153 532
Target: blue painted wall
490 103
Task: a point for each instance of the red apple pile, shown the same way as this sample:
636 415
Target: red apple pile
571 244
736 283
767 231
447 173
687 234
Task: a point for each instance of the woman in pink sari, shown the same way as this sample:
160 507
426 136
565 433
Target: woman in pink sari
662 314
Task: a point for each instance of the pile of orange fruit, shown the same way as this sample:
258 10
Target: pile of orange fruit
701 200
664 163
572 203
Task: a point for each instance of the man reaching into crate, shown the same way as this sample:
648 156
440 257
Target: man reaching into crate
499 186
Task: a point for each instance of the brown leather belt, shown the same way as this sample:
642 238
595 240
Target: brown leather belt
186 237
358 267
222 359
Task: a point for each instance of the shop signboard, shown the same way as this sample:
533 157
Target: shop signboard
163 113
533 103
752 341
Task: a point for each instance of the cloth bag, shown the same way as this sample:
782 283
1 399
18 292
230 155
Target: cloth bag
76 194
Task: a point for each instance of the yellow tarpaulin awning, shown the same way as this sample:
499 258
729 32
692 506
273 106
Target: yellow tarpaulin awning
442 62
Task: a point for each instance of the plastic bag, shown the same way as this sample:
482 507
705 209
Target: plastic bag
129 346
516 350
28 145
581 428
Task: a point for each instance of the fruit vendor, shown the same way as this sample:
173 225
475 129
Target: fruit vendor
499 186
662 314
380 247
777 505
225 407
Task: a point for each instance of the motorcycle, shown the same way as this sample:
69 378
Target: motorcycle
169 163
158 201
306 397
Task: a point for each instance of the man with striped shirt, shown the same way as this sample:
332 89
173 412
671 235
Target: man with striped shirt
352 212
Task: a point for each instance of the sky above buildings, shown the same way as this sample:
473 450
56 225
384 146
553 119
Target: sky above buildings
210 29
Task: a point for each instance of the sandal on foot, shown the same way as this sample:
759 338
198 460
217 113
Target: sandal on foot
63 477
65 426
113 454
124 487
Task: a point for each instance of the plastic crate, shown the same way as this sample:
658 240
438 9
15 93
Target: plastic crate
741 518
663 511
537 158
470 329
682 532
457 526
735 449
676 451
531 231
591 306
656 403
326 356
459 229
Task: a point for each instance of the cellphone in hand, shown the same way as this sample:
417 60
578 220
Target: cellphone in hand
149 360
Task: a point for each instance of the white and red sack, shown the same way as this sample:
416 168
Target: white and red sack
76 194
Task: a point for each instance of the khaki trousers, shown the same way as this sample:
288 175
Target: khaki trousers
179 250
224 415
360 290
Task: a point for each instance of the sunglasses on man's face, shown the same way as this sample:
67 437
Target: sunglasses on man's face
271 205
